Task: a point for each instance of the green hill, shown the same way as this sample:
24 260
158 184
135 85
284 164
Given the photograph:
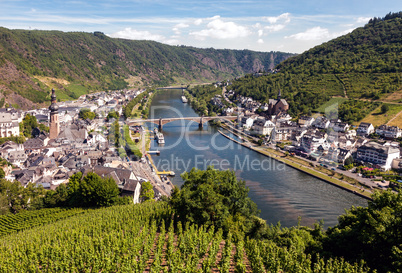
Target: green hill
365 64
145 238
32 62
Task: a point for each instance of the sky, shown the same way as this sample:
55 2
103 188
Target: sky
262 25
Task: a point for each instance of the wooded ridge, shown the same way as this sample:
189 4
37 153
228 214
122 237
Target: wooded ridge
33 62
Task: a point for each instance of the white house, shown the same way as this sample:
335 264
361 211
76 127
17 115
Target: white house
247 122
263 127
388 131
365 129
378 154
321 122
339 126
312 140
9 125
306 121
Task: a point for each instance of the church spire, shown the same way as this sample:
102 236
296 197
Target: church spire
54 126
279 95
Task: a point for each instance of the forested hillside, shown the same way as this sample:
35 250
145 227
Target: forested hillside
33 62
365 64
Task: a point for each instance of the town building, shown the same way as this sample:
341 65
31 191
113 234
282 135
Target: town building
277 106
365 129
321 122
305 121
312 140
377 154
263 127
389 132
9 122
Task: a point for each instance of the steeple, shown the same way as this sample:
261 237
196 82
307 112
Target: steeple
279 95
54 127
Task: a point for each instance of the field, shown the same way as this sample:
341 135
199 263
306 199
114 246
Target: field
377 118
394 97
146 238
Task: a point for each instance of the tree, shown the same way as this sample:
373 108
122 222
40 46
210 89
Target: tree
212 197
92 191
112 114
2 173
349 160
384 108
372 233
86 113
147 191
19 197
28 124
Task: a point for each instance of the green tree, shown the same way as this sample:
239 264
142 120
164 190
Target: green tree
2 173
28 124
349 160
147 191
212 197
112 114
372 233
91 191
384 108
86 113
20 198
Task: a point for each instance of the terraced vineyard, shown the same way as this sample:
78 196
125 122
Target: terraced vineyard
15 222
145 238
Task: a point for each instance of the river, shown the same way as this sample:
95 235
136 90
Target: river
282 194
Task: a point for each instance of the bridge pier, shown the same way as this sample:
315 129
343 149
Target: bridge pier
160 125
201 124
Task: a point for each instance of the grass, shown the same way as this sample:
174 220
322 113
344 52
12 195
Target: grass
394 97
377 117
330 105
77 89
397 121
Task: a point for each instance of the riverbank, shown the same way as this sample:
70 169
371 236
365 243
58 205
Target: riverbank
364 193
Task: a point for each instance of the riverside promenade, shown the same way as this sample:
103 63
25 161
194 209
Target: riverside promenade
358 190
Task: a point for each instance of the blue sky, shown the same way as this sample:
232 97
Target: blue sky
270 25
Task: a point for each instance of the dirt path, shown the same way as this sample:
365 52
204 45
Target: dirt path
389 121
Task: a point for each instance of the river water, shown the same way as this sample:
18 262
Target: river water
282 194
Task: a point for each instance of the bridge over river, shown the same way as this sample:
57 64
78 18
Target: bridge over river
163 121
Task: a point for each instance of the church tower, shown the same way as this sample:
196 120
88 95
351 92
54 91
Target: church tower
54 117
279 95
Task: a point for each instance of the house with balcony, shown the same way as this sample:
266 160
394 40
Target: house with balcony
379 155
389 132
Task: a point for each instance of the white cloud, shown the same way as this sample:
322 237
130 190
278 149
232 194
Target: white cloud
181 25
219 29
133 34
260 41
317 33
260 32
177 28
275 28
363 20
198 22
283 17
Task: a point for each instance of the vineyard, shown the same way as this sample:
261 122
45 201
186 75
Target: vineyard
10 223
146 238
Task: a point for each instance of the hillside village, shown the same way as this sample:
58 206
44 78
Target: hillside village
329 141
80 145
